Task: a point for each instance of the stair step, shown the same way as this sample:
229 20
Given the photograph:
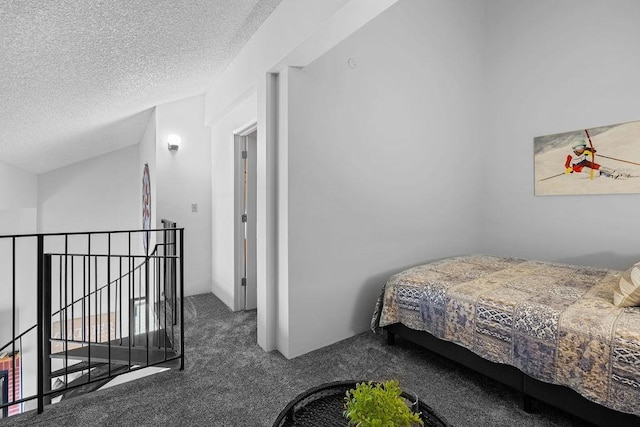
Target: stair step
76 367
96 373
99 353
158 339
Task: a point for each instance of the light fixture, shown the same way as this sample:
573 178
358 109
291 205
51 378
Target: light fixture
174 142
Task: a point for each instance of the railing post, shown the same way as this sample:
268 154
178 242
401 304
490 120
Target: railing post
174 273
46 318
167 296
13 326
108 303
146 304
40 319
44 324
182 299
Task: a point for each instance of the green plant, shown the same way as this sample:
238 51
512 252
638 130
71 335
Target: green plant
379 405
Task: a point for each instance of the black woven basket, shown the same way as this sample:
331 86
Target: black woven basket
322 406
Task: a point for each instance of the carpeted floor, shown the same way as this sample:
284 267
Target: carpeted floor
229 380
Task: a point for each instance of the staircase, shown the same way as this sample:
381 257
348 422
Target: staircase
103 309
98 363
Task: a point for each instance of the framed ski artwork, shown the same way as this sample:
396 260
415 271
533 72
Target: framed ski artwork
601 160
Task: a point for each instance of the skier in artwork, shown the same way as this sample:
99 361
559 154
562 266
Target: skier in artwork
581 161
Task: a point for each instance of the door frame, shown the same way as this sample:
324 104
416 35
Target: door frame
238 136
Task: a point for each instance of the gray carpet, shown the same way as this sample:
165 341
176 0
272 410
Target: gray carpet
229 381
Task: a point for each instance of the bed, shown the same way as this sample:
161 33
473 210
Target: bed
549 330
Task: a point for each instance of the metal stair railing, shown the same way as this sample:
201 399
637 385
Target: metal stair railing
13 406
132 321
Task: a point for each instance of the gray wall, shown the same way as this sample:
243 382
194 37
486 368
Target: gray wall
556 66
383 164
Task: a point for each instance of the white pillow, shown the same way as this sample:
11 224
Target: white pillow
628 294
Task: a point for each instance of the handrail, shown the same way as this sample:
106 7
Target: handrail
77 233
18 337
114 255
150 255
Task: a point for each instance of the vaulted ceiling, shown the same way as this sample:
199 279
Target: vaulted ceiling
78 78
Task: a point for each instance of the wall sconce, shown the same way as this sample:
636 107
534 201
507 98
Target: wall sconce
174 142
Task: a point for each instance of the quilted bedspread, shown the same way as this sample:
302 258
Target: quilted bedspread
555 322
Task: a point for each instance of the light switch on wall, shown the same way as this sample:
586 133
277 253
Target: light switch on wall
194 207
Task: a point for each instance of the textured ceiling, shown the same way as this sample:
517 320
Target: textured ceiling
78 77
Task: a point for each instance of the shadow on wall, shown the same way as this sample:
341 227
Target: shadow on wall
603 260
368 296
373 286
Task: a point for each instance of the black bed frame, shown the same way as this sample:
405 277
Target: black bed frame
561 397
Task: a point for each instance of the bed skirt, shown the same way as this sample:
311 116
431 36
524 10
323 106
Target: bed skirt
560 397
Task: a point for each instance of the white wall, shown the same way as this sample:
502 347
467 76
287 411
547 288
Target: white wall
295 34
553 67
292 22
380 161
18 221
18 201
147 155
184 178
494 74
18 188
99 194
18 215
102 193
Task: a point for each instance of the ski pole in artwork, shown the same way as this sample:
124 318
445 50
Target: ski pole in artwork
619 160
593 153
552 176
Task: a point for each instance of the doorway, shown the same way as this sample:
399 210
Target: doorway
246 297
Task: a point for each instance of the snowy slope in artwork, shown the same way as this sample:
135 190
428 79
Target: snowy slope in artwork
621 146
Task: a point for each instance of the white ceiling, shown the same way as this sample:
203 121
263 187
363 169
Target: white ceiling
78 77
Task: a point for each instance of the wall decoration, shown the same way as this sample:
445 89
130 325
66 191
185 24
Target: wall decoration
146 205
602 160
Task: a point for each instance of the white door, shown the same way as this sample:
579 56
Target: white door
246 279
